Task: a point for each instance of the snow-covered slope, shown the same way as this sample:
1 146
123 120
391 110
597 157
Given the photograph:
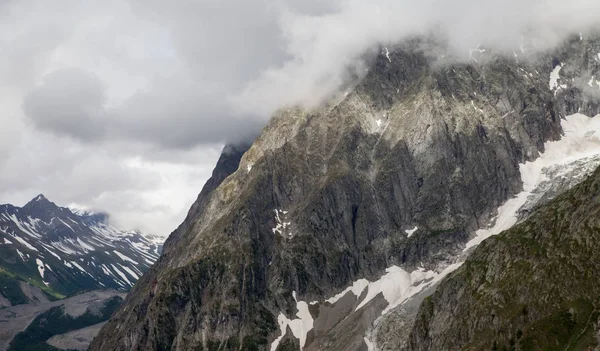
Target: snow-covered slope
64 251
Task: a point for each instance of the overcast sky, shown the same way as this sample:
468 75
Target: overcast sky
124 106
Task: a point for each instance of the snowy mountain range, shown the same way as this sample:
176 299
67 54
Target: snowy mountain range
63 251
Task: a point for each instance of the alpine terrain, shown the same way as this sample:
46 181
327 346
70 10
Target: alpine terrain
49 252
359 225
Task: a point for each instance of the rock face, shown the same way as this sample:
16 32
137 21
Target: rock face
401 173
47 251
533 287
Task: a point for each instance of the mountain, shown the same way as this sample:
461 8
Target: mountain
47 251
534 287
29 324
334 225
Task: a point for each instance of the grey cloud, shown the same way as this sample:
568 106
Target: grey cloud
181 113
166 83
236 61
69 102
175 112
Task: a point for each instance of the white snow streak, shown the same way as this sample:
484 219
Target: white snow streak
63 222
387 54
581 140
24 227
25 243
554 76
370 346
123 257
40 267
356 288
299 326
21 255
281 225
121 274
410 232
130 271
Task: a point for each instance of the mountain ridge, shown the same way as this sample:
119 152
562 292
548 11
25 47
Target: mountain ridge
58 253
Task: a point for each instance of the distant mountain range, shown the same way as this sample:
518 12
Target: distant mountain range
50 252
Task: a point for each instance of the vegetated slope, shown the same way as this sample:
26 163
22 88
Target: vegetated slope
533 287
56 321
15 319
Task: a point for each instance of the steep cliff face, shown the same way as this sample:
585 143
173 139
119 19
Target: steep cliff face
400 173
534 287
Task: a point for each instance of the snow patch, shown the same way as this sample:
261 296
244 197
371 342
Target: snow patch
121 274
282 225
356 288
40 267
130 271
580 141
396 286
25 243
21 255
124 258
387 53
24 227
554 76
410 232
68 226
370 346
299 326
6 241
477 50
52 253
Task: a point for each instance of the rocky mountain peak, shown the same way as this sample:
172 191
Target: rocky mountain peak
42 208
336 216
40 201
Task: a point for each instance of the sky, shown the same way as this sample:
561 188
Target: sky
124 105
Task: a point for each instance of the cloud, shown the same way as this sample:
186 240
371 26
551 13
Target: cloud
69 102
216 71
125 105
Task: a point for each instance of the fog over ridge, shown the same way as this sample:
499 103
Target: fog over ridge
147 92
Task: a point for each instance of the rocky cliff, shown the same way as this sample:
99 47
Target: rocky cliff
397 176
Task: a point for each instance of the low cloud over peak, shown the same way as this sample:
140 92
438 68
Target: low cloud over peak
167 83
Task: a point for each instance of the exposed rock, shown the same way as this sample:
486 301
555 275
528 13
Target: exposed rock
533 287
33 293
76 340
324 198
